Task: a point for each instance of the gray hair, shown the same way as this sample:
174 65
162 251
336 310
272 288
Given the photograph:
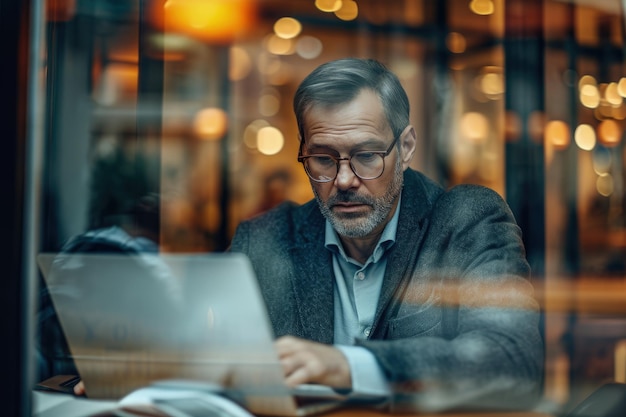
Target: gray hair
340 81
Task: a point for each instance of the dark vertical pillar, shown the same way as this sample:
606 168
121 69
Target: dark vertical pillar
569 188
222 239
438 84
524 74
570 185
14 44
524 161
149 100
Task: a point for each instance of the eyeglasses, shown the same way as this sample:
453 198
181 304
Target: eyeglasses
367 165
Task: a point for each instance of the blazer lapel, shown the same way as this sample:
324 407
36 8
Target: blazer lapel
412 224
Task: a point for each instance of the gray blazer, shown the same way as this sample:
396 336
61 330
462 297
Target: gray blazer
456 324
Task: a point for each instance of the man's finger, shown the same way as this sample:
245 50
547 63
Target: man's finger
298 376
79 388
286 345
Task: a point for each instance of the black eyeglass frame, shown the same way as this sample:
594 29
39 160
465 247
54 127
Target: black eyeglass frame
383 154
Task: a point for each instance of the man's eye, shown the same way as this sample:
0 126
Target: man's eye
365 157
323 160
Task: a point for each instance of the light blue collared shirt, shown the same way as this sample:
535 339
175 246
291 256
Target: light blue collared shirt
357 290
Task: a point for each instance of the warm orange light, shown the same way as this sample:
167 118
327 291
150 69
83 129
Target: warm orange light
211 123
612 96
621 87
217 21
279 46
328 5
456 42
474 127
609 132
557 134
589 96
251 132
482 7
240 64
587 80
512 126
270 140
287 27
349 10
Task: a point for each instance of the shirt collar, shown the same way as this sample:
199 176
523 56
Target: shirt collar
387 238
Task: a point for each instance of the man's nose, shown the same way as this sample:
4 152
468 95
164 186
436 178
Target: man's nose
346 178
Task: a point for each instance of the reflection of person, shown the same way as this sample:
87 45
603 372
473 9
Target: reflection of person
72 277
358 282
135 237
123 217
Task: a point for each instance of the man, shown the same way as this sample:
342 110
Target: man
386 283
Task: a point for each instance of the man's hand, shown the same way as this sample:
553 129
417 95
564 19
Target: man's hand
304 361
79 389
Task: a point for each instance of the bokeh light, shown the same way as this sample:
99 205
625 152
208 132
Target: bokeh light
210 123
587 80
279 46
474 127
619 112
456 42
270 140
217 21
482 7
251 131
287 28
512 126
349 10
328 5
612 96
557 134
308 47
609 132
240 64
589 96
585 137
621 87
605 185
492 85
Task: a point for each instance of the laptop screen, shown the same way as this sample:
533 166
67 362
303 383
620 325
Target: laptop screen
130 320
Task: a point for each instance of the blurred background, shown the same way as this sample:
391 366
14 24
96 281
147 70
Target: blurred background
186 105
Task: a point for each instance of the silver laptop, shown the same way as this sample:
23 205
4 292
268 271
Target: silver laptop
135 320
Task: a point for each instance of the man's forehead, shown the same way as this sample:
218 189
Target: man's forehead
360 113
345 144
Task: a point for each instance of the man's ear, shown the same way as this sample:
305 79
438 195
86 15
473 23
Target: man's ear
408 143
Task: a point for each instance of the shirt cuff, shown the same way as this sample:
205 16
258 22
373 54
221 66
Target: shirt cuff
368 378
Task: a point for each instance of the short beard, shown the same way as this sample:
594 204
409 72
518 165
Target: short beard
354 226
